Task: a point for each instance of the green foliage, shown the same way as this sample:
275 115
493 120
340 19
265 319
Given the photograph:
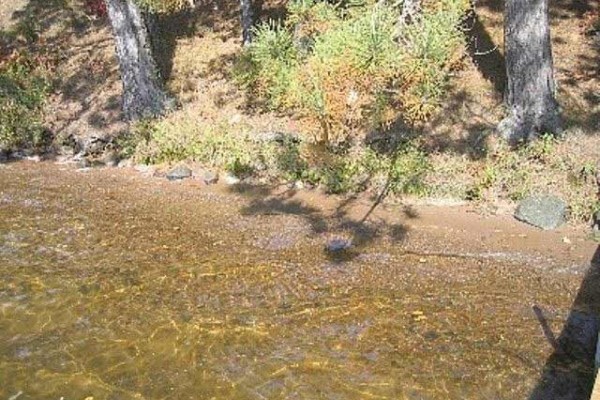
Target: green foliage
338 170
348 69
168 141
24 86
431 48
163 6
270 67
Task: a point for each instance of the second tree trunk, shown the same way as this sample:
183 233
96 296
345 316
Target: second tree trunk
143 95
530 97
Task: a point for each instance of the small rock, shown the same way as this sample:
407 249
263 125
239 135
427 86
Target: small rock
110 159
3 156
18 155
278 137
179 172
63 159
298 185
35 158
66 151
231 179
125 163
146 170
545 212
83 163
338 244
209 177
93 145
566 240
22 353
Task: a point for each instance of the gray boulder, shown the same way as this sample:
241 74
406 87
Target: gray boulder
3 156
125 163
546 212
179 172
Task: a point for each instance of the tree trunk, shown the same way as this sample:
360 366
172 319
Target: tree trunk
247 21
143 95
530 96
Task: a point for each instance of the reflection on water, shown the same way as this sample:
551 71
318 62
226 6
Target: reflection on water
116 288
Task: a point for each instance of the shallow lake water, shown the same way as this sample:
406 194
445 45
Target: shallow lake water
115 286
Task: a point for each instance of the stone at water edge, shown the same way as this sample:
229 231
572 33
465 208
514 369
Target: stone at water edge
208 177
125 163
110 158
231 179
83 163
545 212
338 244
179 172
3 156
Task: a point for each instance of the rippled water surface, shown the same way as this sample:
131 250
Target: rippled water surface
114 286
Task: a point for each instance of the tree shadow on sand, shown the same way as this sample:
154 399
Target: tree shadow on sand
346 220
569 371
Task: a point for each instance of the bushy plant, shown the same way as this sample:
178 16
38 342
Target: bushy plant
24 86
348 68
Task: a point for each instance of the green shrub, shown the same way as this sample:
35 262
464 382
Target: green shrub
339 170
175 140
24 87
357 169
347 70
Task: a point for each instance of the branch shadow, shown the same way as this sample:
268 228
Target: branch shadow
486 54
357 229
475 127
569 372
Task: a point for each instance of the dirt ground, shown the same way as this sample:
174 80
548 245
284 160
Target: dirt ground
7 9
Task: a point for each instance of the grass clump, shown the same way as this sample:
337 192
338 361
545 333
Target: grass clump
172 140
348 69
24 87
548 165
181 137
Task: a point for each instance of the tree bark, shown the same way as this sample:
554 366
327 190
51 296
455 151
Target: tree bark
530 97
247 21
143 95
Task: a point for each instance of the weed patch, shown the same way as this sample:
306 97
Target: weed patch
24 86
